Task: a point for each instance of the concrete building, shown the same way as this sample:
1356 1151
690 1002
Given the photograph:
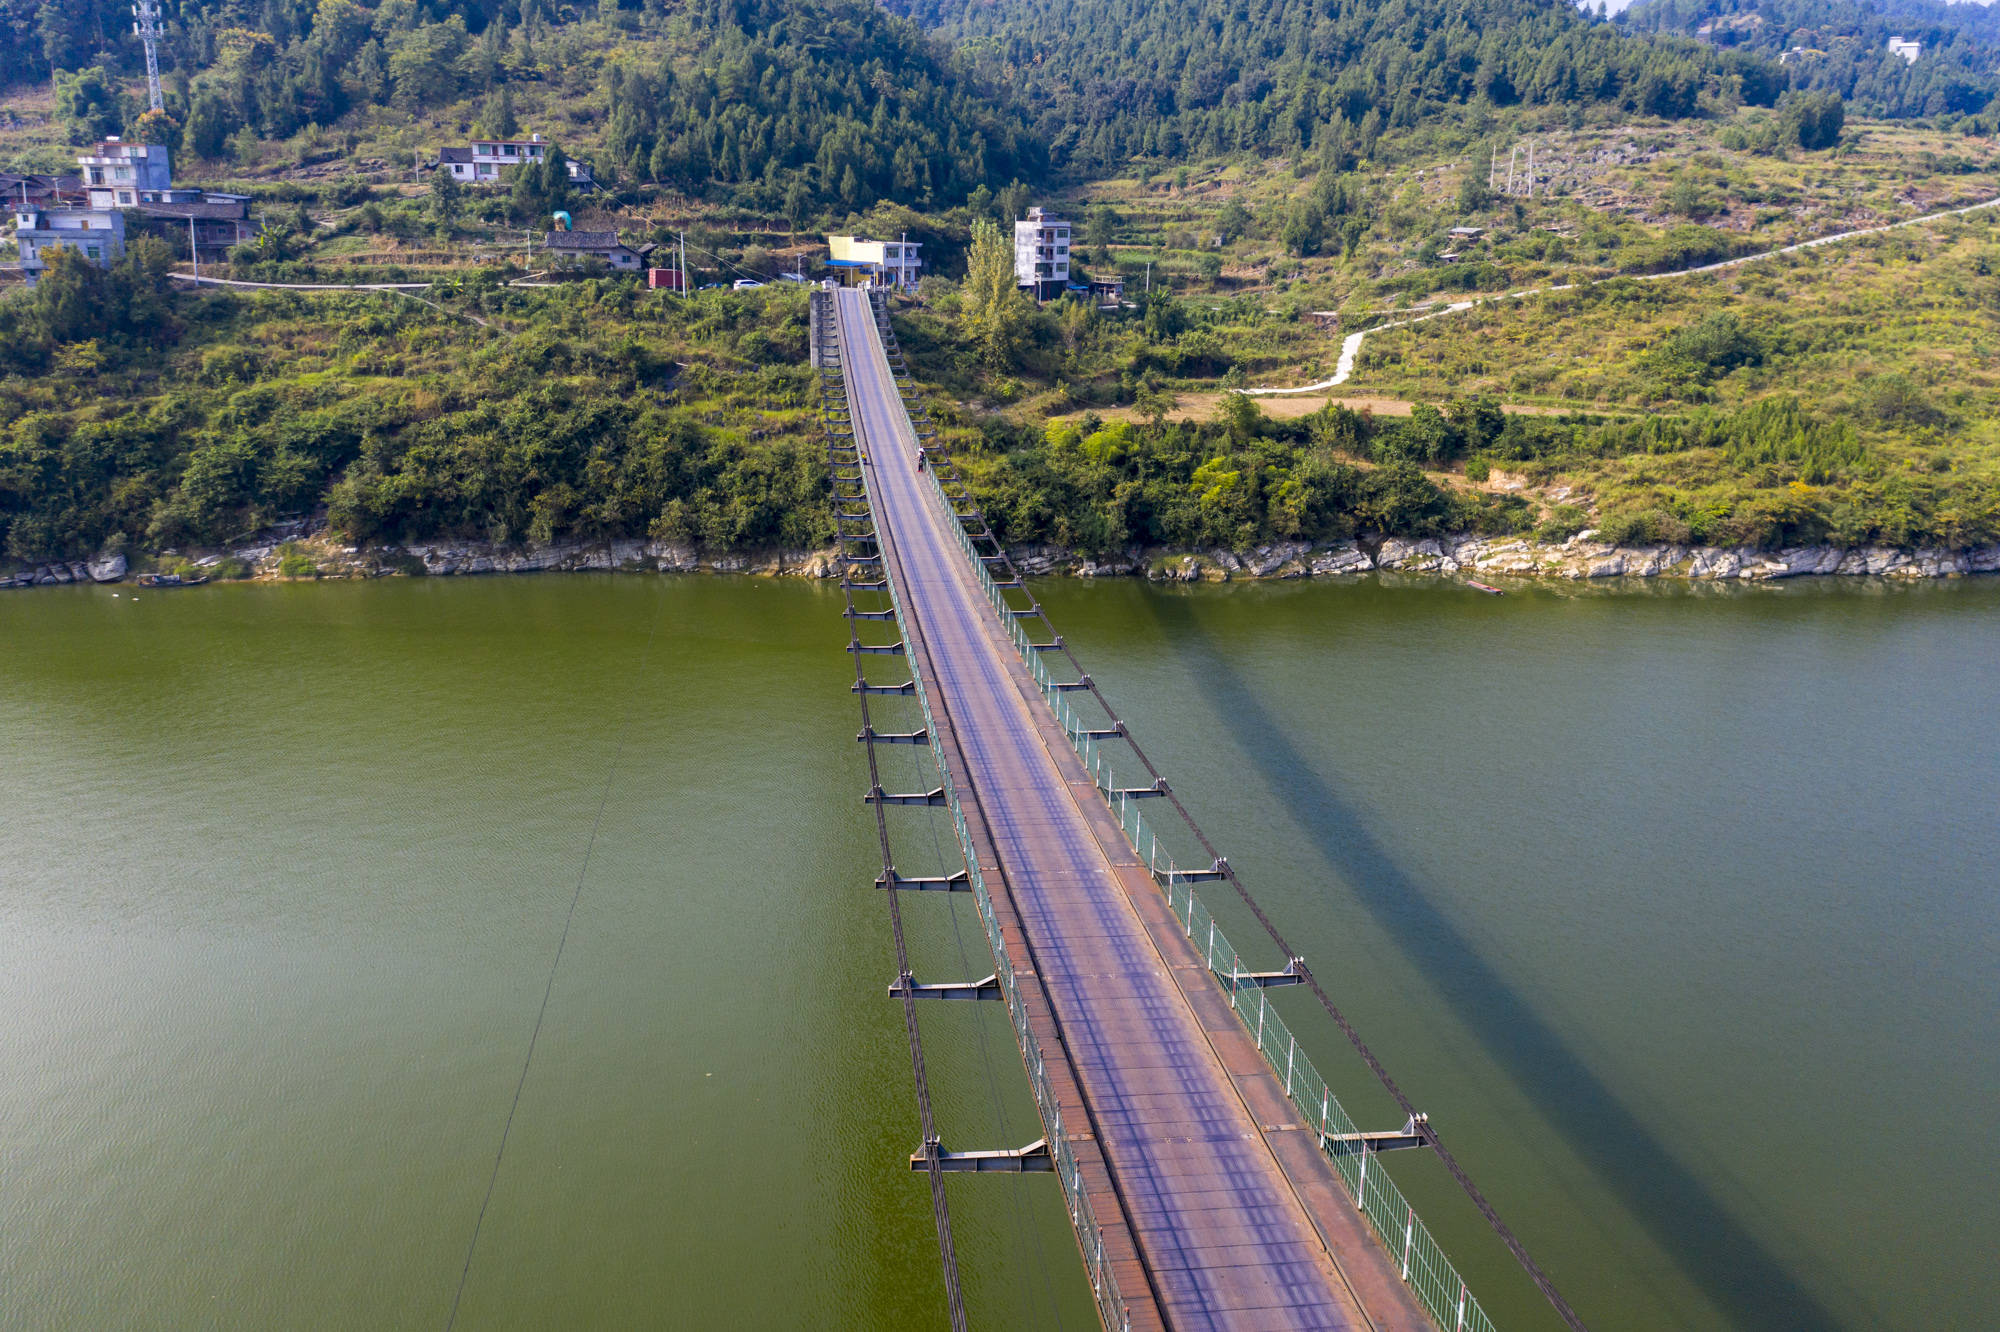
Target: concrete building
213 224
485 161
117 174
98 234
1041 254
573 248
893 262
1909 50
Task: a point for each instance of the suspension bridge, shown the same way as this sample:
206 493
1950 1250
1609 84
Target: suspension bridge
1211 1175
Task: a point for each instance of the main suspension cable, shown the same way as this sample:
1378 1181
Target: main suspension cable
934 1166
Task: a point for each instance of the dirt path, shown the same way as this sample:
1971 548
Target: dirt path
1350 346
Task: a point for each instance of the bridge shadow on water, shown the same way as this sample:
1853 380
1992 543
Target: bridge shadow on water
1727 1262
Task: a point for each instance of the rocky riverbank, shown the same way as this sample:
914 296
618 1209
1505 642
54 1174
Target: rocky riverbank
1580 557
317 556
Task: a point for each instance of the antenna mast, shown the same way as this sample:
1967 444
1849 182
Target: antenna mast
146 22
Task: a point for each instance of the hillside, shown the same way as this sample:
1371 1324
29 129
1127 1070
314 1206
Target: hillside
777 105
1842 46
1112 79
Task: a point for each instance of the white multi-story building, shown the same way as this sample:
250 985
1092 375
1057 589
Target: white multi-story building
1909 50
98 234
117 174
894 262
1041 254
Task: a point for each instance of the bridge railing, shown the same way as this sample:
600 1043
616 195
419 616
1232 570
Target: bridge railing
1104 1285
1419 1258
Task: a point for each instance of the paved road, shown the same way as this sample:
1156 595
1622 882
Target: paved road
1216 1219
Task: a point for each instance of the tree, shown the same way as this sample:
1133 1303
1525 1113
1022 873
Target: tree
447 195
88 104
156 127
500 122
1816 119
424 67
798 203
1100 224
209 126
1305 226
1684 196
541 188
1237 414
70 298
555 179
75 300
1473 194
997 311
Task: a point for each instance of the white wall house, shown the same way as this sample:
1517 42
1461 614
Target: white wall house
95 233
1041 254
485 161
117 174
1909 50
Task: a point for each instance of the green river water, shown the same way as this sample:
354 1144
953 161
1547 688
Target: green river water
1678 908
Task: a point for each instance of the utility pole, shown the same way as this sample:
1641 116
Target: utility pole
684 262
1149 277
146 22
903 274
1531 168
194 250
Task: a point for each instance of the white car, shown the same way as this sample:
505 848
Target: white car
745 284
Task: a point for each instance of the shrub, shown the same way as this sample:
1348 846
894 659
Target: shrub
294 562
1563 522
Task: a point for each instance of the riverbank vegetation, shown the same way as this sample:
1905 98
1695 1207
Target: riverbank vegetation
581 412
1261 200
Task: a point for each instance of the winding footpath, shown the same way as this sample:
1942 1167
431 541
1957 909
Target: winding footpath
1350 346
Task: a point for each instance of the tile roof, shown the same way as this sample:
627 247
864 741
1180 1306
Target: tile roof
227 212
454 155
584 240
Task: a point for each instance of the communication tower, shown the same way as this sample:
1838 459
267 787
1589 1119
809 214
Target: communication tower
146 22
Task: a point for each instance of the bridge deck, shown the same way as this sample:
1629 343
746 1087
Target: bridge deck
1232 1210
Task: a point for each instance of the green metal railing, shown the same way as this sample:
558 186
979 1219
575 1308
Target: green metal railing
1422 1263
1104 1286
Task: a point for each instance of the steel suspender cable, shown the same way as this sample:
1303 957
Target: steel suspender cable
569 918
940 1210
942 460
